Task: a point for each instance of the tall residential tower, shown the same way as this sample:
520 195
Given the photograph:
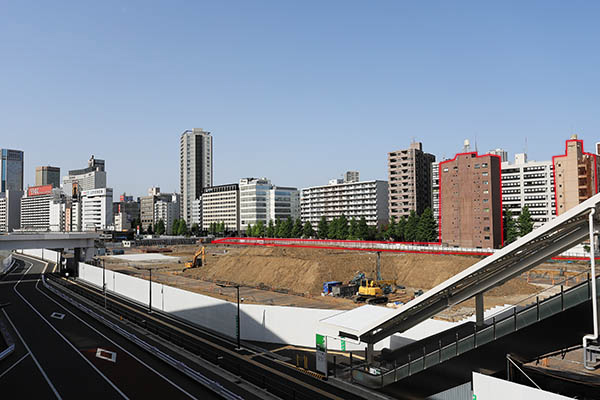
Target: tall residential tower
11 170
409 180
196 168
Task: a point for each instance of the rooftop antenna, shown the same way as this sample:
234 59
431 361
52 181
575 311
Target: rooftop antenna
476 151
525 149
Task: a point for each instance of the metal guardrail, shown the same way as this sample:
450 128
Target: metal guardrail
511 322
178 365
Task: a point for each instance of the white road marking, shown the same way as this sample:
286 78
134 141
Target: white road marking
65 339
116 344
14 365
57 315
106 355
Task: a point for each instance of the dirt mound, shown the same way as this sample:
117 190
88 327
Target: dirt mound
304 270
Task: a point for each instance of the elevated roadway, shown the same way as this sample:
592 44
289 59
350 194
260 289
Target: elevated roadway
63 240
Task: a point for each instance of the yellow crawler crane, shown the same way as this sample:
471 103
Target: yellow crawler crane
198 260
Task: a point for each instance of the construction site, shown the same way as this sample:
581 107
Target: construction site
297 276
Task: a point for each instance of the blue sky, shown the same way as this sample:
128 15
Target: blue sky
295 91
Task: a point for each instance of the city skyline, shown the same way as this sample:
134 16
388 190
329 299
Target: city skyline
360 82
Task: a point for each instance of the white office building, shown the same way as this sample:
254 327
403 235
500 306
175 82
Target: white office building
42 209
531 184
196 168
435 190
260 200
92 177
221 204
96 209
167 209
367 199
10 210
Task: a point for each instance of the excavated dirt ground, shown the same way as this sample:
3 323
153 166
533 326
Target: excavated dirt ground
298 271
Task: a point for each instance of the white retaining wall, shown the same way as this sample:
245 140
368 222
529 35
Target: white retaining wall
489 388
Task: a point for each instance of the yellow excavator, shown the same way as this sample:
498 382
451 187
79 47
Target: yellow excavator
374 291
198 260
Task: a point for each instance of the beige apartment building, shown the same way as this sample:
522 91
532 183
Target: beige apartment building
575 175
409 173
221 204
470 201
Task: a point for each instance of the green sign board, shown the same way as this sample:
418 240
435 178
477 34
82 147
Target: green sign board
343 345
321 344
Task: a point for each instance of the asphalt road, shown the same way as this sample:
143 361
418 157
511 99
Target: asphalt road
63 353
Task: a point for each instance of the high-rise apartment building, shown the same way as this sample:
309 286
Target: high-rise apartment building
11 170
366 199
351 176
47 175
435 190
531 184
166 208
503 154
221 204
409 173
92 177
575 175
470 201
260 200
196 168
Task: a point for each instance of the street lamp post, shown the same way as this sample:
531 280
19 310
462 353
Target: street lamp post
237 319
104 282
149 269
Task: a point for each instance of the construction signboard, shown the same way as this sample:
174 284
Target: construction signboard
322 354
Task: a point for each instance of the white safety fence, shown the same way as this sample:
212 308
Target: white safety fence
274 324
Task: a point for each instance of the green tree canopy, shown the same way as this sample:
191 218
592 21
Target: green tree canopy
259 229
362 229
511 231
525 222
160 227
307 230
249 231
353 229
195 229
410 229
400 229
427 227
323 228
286 228
297 230
270 233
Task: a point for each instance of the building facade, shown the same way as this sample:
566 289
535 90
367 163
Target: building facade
221 204
92 177
11 170
47 175
368 199
42 209
260 200
96 209
10 210
575 175
531 184
351 176
435 190
166 208
470 201
409 174
196 168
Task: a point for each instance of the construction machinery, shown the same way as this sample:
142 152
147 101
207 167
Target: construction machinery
370 292
198 260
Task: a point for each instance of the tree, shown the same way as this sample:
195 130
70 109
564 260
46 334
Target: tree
160 227
427 227
183 230
259 229
195 229
342 228
297 229
510 227
307 230
150 231
286 228
278 228
249 231
270 229
400 228
362 231
410 229
390 230
353 229
332 229
323 228
525 222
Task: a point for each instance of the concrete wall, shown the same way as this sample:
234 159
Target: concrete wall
490 388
